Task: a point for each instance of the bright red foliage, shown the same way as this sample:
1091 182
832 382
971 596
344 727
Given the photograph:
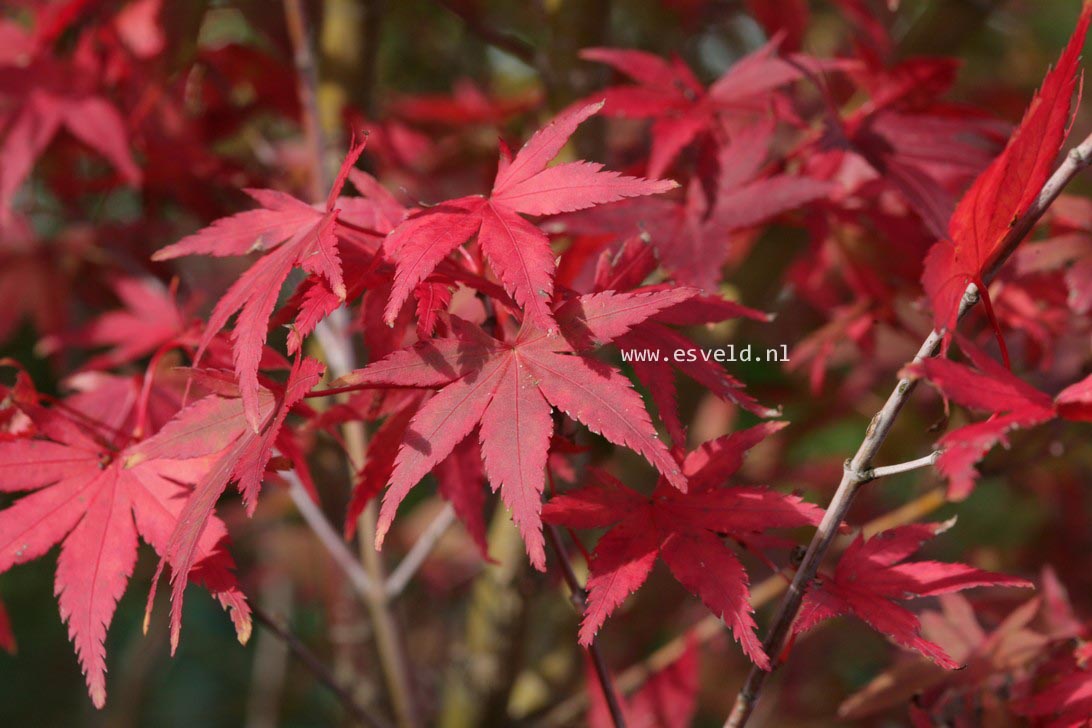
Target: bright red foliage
683 529
85 496
528 341
1004 191
517 250
873 573
1012 403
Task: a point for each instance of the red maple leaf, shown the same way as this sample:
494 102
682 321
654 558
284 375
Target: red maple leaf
466 105
873 574
82 497
1070 249
516 249
1003 193
693 238
1012 403
926 149
686 530
150 318
298 234
991 652
49 93
681 108
606 316
507 389
460 476
1066 702
217 427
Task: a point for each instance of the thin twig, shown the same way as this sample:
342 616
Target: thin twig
334 337
510 44
883 471
270 662
1078 159
579 598
331 540
307 88
315 666
709 627
412 561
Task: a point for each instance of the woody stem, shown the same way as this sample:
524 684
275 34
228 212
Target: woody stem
579 600
334 338
1078 159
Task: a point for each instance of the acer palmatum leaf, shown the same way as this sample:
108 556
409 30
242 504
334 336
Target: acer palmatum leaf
82 496
218 428
1011 403
517 250
873 574
1066 698
681 110
149 319
685 530
1003 192
508 389
57 98
298 235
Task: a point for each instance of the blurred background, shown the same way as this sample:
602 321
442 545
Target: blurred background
436 82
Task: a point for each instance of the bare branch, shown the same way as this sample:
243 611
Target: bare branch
333 335
316 668
331 540
1077 160
412 561
871 474
579 598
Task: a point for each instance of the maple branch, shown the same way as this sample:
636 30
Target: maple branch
270 663
1078 159
871 474
330 539
579 599
333 336
315 666
412 561
307 88
510 44
710 627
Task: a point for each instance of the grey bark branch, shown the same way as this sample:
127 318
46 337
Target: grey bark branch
883 471
412 561
1078 159
331 540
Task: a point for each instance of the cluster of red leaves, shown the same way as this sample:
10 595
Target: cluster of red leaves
873 572
1026 665
1011 402
498 317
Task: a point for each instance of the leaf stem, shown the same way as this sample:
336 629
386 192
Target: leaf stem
1078 159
